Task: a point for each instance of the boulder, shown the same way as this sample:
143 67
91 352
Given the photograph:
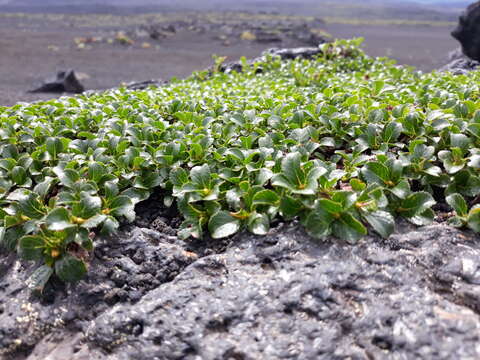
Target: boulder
283 296
461 65
284 54
293 53
63 81
467 31
142 85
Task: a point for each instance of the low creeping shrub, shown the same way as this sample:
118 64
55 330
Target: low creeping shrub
344 142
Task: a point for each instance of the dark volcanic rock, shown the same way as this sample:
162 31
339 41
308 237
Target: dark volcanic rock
459 64
124 269
64 81
467 31
283 296
144 84
290 54
284 54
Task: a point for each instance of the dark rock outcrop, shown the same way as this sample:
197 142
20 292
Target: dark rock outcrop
467 31
284 54
123 270
144 84
283 296
64 81
459 64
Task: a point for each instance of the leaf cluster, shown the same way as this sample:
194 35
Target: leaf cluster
344 143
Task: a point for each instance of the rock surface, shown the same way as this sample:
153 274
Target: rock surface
142 85
64 81
460 64
467 33
284 54
283 296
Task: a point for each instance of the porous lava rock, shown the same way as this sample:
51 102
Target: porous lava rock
63 81
282 296
467 31
284 54
460 64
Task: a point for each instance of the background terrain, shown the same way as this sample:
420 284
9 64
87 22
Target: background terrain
113 41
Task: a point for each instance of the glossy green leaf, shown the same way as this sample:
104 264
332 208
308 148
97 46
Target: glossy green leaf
222 225
70 269
458 203
31 247
381 221
58 219
39 278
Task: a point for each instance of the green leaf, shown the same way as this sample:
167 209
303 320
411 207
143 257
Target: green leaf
348 228
110 225
474 161
357 185
425 218
39 278
58 219
54 146
123 206
222 225
43 188
330 206
70 269
11 237
96 171
292 169
178 177
31 247
31 207
318 223
459 141
111 189
401 190
200 176
266 197
136 195
375 172
290 207
19 175
458 203
68 177
259 224
147 180
87 207
391 132
94 221
473 219
381 221
416 204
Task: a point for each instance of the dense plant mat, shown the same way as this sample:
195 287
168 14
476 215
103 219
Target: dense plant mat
345 143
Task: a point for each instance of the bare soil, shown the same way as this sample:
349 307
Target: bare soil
33 48
425 47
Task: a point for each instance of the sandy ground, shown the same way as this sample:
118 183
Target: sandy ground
31 51
425 47
26 60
